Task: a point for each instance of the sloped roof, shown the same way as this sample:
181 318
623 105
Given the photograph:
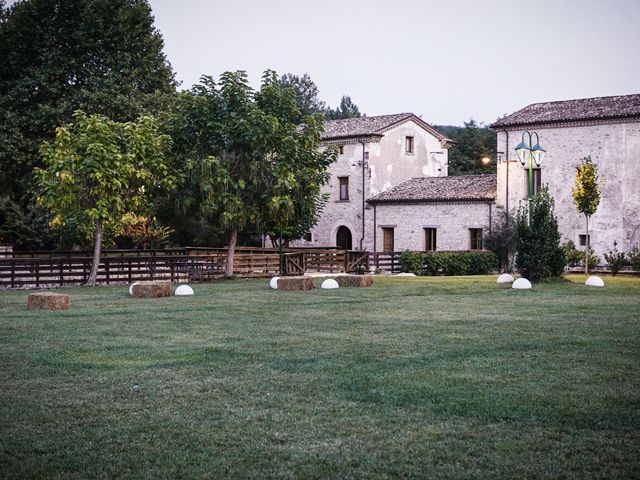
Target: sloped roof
582 109
440 189
372 126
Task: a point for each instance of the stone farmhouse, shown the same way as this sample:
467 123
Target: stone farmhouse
607 129
389 190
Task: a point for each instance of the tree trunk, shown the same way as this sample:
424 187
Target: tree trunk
231 250
97 247
586 252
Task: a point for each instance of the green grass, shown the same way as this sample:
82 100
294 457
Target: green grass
415 377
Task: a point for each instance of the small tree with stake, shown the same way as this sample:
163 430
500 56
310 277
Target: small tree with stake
586 196
96 170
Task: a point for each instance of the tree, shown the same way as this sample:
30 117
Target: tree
247 163
97 170
59 56
540 255
472 143
346 109
500 239
586 196
306 93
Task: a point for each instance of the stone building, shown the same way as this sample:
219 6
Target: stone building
607 129
375 154
434 213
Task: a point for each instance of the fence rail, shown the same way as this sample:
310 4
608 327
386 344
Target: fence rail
49 269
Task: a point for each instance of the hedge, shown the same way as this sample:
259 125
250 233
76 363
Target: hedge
449 263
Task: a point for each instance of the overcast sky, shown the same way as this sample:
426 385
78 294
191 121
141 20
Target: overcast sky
445 60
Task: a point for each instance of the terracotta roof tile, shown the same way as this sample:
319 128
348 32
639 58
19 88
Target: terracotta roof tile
438 189
583 109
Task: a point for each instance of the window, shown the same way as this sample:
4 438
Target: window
475 239
344 188
307 237
408 144
387 236
582 240
341 149
429 239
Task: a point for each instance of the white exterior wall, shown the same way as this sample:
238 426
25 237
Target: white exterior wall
387 166
452 221
391 165
614 148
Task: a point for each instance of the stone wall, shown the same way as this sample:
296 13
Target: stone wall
451 220
614 148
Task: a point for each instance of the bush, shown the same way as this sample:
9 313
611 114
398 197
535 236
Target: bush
634 258
448 263
574 257
615 259
540 255
501 239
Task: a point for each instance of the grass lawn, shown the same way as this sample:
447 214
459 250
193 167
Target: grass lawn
415 377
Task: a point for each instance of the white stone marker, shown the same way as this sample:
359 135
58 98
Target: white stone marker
183 290
406 274
594 281
273 283
131 287
330 283
505 278
521 284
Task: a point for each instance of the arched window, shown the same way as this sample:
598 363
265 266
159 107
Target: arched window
343 238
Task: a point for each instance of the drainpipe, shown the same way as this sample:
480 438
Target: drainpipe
375 228
506 155
490 219
362 237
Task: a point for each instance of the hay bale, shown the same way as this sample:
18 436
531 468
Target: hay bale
355 280
48 301
152 289
295 283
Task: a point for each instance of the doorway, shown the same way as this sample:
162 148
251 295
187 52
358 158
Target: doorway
343 238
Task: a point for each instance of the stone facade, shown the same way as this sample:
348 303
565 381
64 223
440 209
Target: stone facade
614 146
452 221
372 164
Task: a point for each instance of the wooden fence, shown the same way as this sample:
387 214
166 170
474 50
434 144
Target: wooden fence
49 269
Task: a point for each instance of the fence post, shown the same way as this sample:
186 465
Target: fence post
62 272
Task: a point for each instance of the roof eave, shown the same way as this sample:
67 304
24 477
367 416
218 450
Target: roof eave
432 200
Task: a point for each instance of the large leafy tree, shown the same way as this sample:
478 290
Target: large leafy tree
247 163
540 255
97 170
59 56
586 196
473 142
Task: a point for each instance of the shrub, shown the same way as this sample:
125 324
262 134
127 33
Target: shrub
615 259
501 239
411 262
448 263
634 258
574 257
538 239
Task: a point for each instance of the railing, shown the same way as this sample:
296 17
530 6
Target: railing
49 272
43 269
387 261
